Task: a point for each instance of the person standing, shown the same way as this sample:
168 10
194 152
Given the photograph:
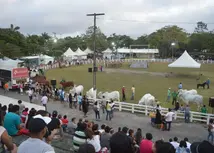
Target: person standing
180 86
70 100
44 101
6 87
85 105
62 95
133 92
103 104
168 95
174 97
21 88
123 93
208 83
79 98
112 104
187 113
210 136
21 107
108 111
30 94
168 118
97 110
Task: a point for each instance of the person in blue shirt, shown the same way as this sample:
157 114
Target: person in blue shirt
208 83
12 121
79 98
62 95
180 86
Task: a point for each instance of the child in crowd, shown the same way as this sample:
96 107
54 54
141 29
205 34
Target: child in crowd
24 115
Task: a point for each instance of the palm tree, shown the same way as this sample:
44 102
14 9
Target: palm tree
16 28
45 36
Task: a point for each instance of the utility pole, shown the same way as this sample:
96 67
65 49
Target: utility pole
94 55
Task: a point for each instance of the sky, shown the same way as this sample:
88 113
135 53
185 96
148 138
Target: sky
130 17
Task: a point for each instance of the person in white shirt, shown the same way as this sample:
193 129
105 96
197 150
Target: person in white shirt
168 119
133 92
30 94
94 140
175 143
44 101
187 142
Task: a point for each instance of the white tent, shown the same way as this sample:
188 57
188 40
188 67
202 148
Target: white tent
45 59
79 52
185 61
108 50
69 52
88 51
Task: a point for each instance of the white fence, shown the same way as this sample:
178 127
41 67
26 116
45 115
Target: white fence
143 109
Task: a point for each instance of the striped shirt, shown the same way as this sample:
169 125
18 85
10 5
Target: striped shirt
79 139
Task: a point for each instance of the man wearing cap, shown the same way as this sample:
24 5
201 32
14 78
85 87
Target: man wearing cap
37 129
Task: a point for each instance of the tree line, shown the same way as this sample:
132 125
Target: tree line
14 44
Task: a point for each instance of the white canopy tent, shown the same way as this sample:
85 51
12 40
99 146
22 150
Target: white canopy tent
69 52
81 54
108 50
88 51
185 61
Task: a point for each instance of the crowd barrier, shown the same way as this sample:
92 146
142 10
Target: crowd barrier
143 109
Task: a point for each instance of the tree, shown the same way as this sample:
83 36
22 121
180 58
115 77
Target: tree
163 38
12 28
101 40
201 27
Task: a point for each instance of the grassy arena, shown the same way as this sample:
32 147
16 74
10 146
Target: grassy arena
150 80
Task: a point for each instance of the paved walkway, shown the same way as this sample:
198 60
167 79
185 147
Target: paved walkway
195 132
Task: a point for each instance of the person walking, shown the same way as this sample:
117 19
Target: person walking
108 111
44 101
79 98
174 97
168 118
168 95
103 104
75 100
187 113
133 92
97 110
123 93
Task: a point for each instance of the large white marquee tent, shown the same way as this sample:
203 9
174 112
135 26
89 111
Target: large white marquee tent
88 51
185 61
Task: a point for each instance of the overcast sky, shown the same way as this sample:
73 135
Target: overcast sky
130 17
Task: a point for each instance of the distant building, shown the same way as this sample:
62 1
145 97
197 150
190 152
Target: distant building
129 53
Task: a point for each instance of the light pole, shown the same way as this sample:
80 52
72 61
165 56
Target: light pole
173 44
94 56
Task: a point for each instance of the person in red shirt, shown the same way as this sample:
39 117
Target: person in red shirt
146 144
24 115
64 122
123 93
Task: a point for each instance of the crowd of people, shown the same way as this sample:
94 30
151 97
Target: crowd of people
42 127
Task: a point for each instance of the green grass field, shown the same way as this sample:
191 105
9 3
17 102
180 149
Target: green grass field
144 83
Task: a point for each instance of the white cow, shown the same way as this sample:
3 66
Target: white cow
192 91
91 94
114 95
148 100
77 89
188 98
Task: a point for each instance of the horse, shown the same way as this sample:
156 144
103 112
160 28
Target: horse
201 85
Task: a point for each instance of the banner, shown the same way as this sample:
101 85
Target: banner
20 73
